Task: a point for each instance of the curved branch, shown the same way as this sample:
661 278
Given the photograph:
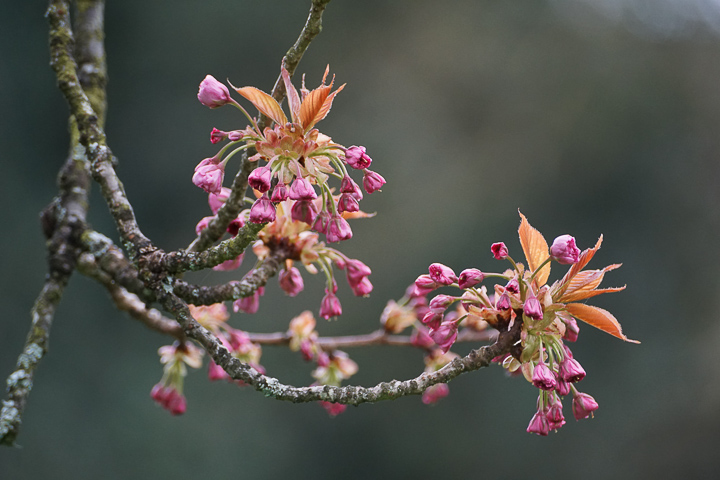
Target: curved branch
351 395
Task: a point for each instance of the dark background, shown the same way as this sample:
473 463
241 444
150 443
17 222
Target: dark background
588 119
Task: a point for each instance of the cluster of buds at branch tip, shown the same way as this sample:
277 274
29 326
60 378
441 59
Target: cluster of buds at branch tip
298 159
168 393
548 316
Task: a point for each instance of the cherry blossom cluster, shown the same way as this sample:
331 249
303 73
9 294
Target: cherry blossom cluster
548 314
296 157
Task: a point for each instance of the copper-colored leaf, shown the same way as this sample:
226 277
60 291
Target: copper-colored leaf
582 285
292 95
264 102
599 318
535 248
325 108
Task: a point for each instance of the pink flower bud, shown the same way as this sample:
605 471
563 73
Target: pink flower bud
215 372
347 203
202 224
436 392
425 285
372 181
229 265
330 306
564 250
544 378
539 424
583 405
439 303
570 370
321 222
215 201
235 225
356 271
302 189
280 193
421 339
499 251
262 211
338 229
563 387
532 307
442 274
348 185
513 286
432 320
175 403
217 135
159 392
363 288
503 302
249 304
209 176
470 277
212 93
555 417
304 211
445 335
357 158
291 281
260 179
571 329
333 409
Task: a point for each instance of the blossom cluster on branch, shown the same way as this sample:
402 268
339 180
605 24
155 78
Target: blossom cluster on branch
293 186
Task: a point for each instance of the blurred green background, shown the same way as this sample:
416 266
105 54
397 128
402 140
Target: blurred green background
589 118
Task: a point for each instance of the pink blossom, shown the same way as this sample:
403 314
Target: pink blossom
229 265
302 189
330 306
262 211
291 281
445 335
499 251
333 409
209 176
338 229
169 398
570 370
372 181
539 424
235 225
357 158
435 393
470 277
564 250
544 378
260 178
583 405
348 185
348 203
280 192
513 286
304 211
213 94
442 274
555 417
532 307
321 222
